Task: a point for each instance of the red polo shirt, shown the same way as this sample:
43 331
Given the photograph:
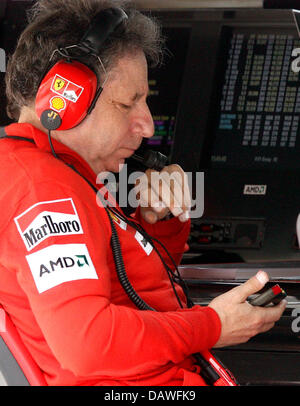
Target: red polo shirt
59 284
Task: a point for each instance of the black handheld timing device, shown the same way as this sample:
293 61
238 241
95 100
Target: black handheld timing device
273 295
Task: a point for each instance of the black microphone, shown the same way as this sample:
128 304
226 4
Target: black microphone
152 159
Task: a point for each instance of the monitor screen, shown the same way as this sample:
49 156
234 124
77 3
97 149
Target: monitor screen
239 124
258 103
165 85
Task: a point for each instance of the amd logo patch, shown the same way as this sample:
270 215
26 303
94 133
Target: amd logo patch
60 263
255 189
48 219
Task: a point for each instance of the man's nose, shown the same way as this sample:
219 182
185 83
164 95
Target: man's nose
143 122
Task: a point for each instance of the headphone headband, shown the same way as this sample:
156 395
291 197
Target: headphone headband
102 26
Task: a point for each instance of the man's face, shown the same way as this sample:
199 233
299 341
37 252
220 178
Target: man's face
120 119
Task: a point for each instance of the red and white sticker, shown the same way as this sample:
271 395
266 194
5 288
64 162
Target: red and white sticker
147 247
48 219
60 263
67 89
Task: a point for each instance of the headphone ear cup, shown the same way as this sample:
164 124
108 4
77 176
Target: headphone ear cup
65 95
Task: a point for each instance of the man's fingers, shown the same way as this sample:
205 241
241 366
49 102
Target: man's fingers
164 192
273 313
176 181
147 196
171 186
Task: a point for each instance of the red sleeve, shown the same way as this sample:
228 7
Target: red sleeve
173 234
87 333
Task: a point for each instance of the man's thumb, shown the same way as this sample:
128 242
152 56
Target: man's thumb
253 285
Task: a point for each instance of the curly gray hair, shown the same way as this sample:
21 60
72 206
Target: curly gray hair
56 24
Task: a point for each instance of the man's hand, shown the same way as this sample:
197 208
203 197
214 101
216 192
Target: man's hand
162 193
240 320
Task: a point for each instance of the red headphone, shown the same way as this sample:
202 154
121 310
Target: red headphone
69 90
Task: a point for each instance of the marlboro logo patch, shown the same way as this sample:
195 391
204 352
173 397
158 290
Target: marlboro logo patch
66 88
48 219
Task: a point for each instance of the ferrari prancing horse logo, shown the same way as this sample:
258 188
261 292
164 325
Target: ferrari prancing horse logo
59 84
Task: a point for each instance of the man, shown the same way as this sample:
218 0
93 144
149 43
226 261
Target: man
58 278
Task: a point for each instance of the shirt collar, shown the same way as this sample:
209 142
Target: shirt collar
65 153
